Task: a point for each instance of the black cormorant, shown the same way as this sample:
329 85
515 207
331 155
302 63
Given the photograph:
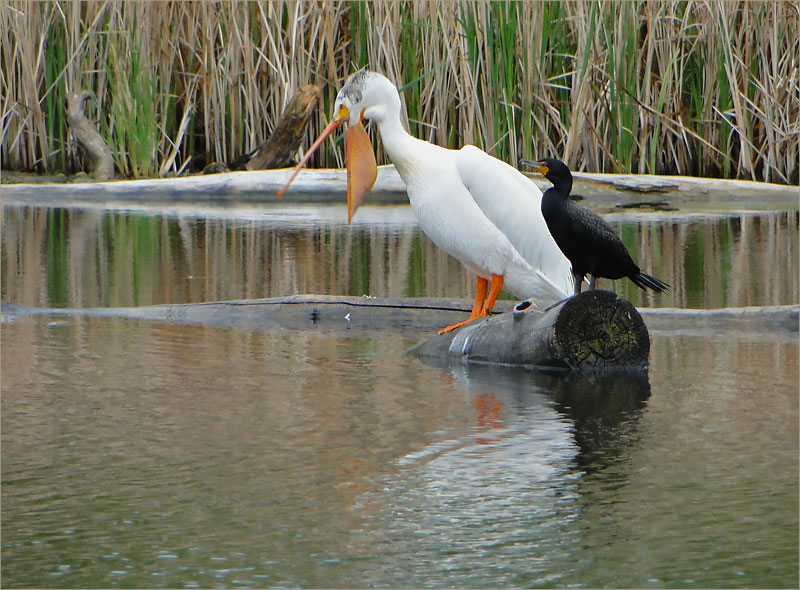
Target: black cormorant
584 237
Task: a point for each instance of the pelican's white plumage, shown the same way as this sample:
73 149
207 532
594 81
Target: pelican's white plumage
473 206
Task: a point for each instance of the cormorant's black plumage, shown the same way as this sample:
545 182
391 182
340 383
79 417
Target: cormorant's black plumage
584 237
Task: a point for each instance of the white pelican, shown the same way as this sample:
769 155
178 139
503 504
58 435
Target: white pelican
476 208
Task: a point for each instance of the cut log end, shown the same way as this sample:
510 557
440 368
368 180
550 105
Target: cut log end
600 330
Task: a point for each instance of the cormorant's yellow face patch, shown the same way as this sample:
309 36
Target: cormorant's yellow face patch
542 168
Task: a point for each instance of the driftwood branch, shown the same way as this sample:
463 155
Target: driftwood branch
592 330
280 149
99 161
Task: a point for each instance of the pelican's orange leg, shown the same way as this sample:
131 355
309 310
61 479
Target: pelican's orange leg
497 286
477 306
480 295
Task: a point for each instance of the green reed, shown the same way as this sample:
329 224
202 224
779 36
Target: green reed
133 111
645 87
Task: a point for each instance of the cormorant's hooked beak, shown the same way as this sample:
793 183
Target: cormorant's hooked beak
362 170
539 166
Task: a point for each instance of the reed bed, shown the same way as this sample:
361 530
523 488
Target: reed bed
698 87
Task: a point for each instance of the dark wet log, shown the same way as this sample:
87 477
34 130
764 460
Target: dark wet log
99 161
593 330
280 149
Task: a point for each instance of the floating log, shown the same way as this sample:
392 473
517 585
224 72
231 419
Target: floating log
100 162
420 317
328 186
592 330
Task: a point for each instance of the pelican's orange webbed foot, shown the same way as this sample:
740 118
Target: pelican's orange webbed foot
459 324
477 306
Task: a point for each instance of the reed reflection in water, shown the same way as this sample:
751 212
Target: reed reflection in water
77 257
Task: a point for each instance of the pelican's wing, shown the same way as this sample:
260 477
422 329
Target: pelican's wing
514 204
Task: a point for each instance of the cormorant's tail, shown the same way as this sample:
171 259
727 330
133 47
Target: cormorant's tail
645 281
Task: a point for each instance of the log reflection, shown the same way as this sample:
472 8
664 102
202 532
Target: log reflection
601 407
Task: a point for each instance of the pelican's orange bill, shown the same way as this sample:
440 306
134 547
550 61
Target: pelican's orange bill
332 126
362 169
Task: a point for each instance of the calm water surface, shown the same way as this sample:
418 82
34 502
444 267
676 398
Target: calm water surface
142 453
147 454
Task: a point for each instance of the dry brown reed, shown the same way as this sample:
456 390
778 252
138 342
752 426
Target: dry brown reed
692 87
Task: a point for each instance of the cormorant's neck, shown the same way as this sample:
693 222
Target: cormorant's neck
563 185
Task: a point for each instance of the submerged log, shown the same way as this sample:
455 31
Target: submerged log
100 162
414 317
592 330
